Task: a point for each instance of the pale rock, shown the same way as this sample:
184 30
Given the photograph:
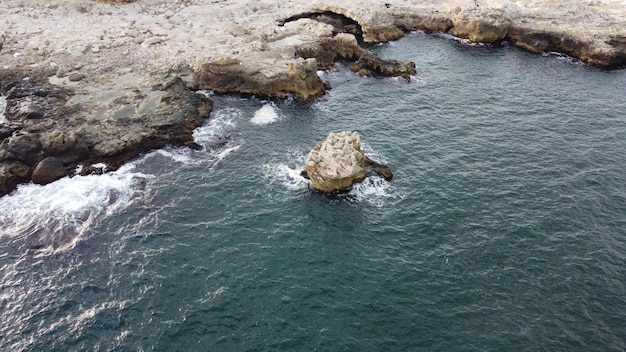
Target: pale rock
336 163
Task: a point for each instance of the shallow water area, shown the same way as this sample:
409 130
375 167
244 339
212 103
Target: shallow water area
503 228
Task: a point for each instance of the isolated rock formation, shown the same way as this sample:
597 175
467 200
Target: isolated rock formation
338 162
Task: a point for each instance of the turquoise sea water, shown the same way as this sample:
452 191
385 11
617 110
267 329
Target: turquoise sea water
504 228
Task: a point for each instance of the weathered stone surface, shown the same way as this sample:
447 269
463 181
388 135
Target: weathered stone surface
491 26
273 77
546 27
25 147
48 170
428 20
65 135
34 99
344 46
328 50
336 163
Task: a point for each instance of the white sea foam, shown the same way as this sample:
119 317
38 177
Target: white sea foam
56 216
460 40
375 191
215 137
265 115
223 122
286 173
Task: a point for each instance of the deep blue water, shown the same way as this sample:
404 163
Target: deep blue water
503 229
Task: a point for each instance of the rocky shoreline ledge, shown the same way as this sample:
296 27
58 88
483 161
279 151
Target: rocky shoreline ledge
120 80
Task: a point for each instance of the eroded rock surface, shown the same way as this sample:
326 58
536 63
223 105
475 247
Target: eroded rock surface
338 162
47 145
273 77
344 46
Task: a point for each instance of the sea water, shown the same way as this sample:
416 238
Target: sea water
503 229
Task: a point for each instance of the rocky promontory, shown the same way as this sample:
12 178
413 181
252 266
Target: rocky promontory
103 81
46 135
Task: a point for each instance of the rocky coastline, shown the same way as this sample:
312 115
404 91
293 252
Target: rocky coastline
122 79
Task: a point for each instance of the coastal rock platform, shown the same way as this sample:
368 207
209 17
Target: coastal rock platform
119 80
338 162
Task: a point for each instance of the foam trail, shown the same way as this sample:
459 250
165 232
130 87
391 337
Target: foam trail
215 135
56 216
265 115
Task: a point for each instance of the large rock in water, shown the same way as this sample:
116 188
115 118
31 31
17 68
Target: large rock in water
338 162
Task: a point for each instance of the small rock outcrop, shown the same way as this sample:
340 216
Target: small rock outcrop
344 46
338 162
44 137
273 77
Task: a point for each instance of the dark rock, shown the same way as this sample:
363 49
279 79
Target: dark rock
328 50
7 129
540 42
11 174
26 148
67 136
370 64
219 141
193 145
48 170
345 47
375 168
28 99
266 77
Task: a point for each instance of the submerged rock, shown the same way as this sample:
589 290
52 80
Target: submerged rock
338 162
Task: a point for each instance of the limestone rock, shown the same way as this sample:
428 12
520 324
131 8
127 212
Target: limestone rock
491 26
48 170
378 169
376 23
370 64
344 46
336 163
26 148
274 77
